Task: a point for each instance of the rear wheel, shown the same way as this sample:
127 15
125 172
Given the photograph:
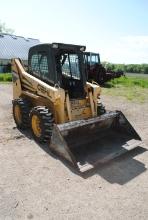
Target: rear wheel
21 113
41 120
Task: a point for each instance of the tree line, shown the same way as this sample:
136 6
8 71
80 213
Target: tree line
127 68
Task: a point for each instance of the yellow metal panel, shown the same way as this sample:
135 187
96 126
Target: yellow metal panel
40 93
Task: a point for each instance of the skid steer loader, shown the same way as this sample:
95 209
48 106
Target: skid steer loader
53 98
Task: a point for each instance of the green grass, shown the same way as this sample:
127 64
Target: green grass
132 88
5 77
129 82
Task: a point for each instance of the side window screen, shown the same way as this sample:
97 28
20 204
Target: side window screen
39 66
44 67
35 65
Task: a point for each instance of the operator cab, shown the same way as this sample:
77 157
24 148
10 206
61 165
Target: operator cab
91 62
59 65
91 59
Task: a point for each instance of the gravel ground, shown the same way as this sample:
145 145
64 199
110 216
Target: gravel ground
34 184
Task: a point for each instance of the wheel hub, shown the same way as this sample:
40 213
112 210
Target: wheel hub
36 125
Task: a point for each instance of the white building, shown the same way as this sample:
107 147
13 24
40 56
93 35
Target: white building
12 46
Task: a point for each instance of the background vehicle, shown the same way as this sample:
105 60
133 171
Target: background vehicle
95 70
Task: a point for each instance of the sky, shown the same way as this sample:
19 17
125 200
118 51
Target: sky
116 29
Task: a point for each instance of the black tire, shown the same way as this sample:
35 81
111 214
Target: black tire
45 118
24 107
101 109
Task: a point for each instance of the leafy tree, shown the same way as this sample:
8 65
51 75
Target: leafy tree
4 29
146 69
119 67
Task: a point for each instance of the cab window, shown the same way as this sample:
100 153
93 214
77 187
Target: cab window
70 66
39 66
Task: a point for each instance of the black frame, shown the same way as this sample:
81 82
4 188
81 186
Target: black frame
51 52
38 50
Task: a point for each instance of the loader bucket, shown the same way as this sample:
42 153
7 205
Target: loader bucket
86 143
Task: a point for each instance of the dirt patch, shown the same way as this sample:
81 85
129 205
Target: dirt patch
35 184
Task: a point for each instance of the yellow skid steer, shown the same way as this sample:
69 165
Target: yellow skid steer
53 98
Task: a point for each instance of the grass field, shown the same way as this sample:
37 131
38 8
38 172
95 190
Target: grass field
5 77
131 87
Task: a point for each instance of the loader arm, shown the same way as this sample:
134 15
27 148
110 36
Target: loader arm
26 85
32 84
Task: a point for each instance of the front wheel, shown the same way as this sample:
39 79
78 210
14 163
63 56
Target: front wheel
41 120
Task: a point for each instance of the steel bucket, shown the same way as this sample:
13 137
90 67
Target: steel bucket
87 143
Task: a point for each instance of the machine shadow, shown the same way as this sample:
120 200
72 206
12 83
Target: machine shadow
119 170
45 147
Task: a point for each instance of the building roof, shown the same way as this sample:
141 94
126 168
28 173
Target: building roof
12 46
